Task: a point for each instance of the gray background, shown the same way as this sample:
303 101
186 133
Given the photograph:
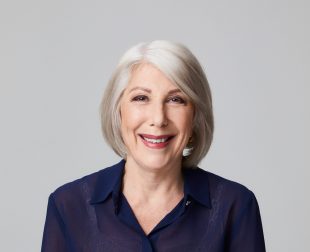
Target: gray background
56 57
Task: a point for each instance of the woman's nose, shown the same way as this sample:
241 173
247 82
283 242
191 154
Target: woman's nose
158 116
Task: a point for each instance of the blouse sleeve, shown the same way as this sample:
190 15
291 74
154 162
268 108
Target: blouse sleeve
246 232
54 238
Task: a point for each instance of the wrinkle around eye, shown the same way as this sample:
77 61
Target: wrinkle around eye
139 98
177 100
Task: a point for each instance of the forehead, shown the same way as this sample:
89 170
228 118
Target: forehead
148 76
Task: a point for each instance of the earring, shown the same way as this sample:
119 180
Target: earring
189 148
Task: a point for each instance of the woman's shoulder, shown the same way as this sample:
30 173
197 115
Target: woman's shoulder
222 188
84 188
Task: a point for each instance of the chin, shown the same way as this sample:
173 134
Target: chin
156 162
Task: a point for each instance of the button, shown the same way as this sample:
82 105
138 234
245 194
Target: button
187 202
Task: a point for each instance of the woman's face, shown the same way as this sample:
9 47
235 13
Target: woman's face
156 119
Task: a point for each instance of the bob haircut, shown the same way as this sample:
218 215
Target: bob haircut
182 68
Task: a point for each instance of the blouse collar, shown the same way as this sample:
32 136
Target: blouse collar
196 184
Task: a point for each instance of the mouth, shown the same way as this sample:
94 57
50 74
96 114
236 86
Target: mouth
156 141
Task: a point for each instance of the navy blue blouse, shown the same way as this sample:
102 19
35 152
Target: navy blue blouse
92 214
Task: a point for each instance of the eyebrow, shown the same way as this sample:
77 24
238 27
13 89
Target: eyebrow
173 91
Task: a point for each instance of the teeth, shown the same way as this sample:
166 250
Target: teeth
161 140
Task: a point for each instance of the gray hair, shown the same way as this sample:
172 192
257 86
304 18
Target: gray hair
179 65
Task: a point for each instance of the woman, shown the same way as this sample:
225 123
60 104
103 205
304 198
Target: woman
157 115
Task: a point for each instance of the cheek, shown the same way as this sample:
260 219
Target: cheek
131 117
186 126
184 120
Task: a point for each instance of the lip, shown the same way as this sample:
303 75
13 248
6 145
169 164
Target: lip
155 137
159 145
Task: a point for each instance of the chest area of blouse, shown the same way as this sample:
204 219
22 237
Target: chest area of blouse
108 231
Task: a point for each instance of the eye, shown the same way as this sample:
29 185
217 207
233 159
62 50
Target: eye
140 98
177 99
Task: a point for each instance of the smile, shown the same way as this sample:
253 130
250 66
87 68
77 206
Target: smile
156 142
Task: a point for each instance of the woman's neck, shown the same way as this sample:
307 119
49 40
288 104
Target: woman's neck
143 184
